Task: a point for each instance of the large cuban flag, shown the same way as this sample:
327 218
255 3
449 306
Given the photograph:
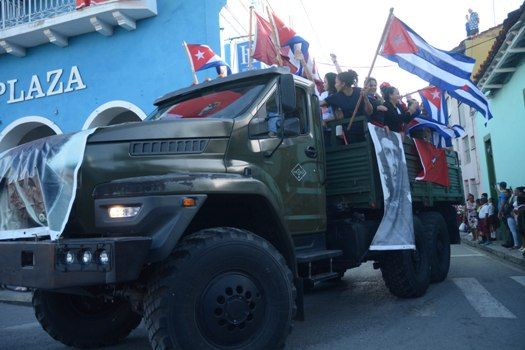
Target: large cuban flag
203 57
435 103
446 70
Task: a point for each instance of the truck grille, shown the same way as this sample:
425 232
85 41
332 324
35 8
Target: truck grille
149 148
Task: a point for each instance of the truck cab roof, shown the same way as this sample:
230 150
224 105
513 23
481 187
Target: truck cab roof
252 74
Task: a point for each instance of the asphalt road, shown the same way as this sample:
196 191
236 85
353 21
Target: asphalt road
480 306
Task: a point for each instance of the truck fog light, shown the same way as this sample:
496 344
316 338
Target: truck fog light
69 257
86 256
103 257
119 211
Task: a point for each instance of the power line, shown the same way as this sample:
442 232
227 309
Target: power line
342 66
231 25
312 26
235 18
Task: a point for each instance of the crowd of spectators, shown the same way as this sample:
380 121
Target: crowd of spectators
483 216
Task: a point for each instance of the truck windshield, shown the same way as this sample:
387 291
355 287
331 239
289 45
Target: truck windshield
227 101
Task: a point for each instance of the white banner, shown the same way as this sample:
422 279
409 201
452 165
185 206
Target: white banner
396 230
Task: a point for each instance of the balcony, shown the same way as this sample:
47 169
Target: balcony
29 23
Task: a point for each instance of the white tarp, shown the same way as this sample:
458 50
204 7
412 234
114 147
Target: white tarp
396 230
38 182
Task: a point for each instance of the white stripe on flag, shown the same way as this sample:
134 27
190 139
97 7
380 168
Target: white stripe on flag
474 99
464 66
481 300
432 69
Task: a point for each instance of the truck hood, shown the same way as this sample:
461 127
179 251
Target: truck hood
164 129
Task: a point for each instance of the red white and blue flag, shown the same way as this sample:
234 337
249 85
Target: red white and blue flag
447 70
441 134
203 57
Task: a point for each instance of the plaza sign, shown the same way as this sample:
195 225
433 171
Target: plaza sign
54 83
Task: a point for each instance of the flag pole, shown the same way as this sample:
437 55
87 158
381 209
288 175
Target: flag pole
387 24
195 79
250 34
276 42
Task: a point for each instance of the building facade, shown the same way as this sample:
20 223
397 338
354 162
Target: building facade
502 79
65 67
477 47
461 114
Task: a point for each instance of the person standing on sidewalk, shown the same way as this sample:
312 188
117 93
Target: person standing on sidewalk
483 224
472 216
508 208
503 199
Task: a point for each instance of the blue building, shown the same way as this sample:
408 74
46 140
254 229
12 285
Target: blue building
64 68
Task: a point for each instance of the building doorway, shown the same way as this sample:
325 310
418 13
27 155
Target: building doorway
25 130
489 155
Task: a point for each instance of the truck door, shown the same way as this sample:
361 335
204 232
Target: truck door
297 166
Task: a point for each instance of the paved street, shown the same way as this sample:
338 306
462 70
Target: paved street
480 306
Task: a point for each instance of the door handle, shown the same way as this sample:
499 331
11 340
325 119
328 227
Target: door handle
310 152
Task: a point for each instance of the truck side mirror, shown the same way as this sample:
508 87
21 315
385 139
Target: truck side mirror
287 93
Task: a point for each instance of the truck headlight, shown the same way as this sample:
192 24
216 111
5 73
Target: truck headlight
69 257
103 257
86 256
120 211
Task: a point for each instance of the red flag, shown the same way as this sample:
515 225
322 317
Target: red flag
265 50
204 106
397 40
85 3
285 33
434 162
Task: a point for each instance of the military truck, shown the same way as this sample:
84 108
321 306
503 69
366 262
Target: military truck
209 219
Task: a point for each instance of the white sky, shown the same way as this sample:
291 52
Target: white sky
352 29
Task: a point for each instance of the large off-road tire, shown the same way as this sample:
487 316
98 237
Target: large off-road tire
439 243
84 322
223 288
407 272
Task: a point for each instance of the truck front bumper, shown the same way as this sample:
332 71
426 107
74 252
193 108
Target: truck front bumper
60 264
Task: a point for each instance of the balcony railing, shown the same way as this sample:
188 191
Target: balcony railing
16 12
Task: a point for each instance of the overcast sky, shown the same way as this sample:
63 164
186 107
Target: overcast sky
352 29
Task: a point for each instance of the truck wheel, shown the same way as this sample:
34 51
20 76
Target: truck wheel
223 288
407 272
439 243
84 322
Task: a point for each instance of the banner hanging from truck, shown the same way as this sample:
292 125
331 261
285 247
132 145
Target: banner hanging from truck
38 183
396 230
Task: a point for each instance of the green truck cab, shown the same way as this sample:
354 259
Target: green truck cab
210 227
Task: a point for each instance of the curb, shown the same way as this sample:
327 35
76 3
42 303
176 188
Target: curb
19 298
499 254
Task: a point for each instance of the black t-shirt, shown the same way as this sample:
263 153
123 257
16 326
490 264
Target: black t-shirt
346 103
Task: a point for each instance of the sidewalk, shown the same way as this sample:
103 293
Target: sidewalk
496 249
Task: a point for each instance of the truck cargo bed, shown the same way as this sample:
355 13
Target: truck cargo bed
353 178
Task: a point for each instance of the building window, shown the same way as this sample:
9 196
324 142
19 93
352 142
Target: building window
465 184
466 150
461 118
472 143
474 188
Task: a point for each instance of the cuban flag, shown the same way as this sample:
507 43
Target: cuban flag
448 71
291 42
441 134
203 57
435 103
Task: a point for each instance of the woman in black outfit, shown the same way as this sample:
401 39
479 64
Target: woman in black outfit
396 114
